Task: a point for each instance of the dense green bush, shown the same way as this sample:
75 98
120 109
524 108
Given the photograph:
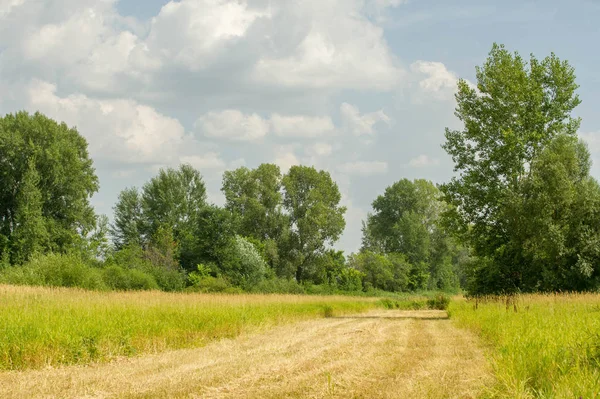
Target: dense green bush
278 286
118 278
55 270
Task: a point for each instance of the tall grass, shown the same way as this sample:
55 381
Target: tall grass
541 346
52 326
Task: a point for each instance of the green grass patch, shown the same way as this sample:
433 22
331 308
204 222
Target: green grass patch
541 346
42 327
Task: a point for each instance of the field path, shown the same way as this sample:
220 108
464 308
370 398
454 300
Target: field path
381 354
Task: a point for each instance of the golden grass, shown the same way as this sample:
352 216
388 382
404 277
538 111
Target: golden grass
548 348
380 354
42 327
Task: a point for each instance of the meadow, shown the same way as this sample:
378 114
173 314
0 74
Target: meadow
43 327
540 346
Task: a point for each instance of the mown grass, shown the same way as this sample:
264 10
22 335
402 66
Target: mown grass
541 346
42 327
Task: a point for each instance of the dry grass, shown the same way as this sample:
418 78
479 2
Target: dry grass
381 354
41 327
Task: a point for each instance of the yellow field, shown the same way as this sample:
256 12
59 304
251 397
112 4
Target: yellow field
47 327
541 346
379 354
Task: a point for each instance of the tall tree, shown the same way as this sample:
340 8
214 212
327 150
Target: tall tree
312 201
171 201
515 111
66 179
255 196
30 235
403 219
127 226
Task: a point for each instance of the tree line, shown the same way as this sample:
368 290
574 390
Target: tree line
520 215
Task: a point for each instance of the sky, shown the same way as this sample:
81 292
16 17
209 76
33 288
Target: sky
361 88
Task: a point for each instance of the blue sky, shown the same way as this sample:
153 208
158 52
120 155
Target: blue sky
361 88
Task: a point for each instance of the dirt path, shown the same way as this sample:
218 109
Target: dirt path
382 354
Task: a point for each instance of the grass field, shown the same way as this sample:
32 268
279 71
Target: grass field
541 346
47 327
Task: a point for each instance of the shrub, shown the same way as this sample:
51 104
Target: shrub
439 302
121 279
55 270
210 284
278 286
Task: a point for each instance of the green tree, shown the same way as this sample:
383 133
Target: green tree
403 220
255 196
30 235
173 200
311 199
127 227
65 180
515 111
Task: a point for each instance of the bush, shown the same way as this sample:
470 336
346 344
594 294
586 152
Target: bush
439 302
278 286
55 270
121 279
210 284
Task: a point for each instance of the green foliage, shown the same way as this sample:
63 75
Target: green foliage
278 286
519 168
173 200
117 278
164 270
55 270
46 181
350 280
437 302
311 198
30 236
127 227
242 264
255 195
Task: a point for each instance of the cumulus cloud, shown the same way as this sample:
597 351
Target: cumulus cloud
300 126
210 160
232 125
121 130
190 32
423 161
285 158
320 149
363 168
435 81
361 124
340 47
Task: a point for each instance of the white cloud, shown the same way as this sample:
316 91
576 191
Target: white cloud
232 125
189 32
363 168
6 6
423 161
210 160
333 45
361 124
285 158
593 141
300 126
116 129
435 81
320 149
